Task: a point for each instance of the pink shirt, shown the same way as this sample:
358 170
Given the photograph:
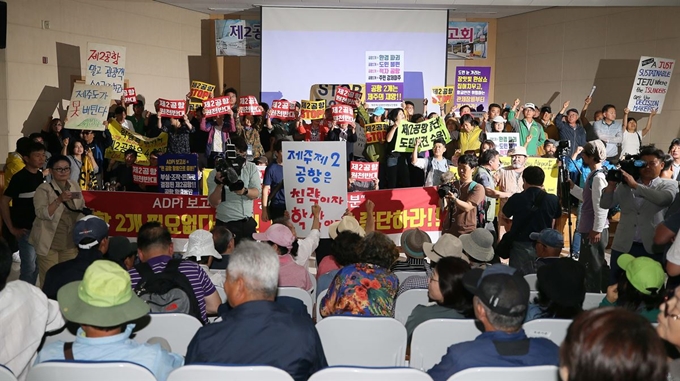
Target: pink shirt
327 264
293 275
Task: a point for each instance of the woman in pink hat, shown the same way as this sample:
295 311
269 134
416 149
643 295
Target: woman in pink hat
285 244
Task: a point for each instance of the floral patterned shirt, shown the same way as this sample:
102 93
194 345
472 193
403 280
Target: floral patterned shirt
361 289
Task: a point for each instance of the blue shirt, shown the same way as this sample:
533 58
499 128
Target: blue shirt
496 349
116 348
273 176
261 333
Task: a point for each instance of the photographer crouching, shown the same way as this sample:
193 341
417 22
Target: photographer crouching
232 187
459 199
643 197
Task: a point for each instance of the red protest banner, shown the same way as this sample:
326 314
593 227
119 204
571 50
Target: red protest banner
130 95
144 175
201 90
343 113
216 106
346 96
283 109
360 170
171 108
248 105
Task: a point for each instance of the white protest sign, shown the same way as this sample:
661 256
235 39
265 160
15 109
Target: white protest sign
504 141
106 67
89 107
651 83
315 176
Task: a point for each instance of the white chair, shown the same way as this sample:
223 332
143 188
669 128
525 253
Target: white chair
231 373
368 374
402 275
432 338
554 330
592 300
531 279
386 338
528 373
87 371
312 291
177 329
6 374
318 305
532 296
298 293
407 301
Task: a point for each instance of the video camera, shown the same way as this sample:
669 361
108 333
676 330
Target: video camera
229 165
444 189
631 164
562 148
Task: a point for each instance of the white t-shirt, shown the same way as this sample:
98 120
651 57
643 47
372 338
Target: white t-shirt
439 167
630 145
217 139
673 255
127 124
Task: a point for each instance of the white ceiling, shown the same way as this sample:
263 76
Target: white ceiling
458 8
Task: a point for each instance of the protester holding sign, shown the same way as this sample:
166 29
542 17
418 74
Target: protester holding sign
55 136
139 117
250 132
632 139
218 131
397 165
343 129
434 166
531 134
313 131
84 168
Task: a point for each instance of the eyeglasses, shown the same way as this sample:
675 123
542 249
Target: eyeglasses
62 169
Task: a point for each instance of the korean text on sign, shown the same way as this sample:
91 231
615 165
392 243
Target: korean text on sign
505 141
315 176
472 86
216 106
201 90
283 110
178 174
360 170
248 105
376 132
328 92
346 96
130 95
312 109
106 67
343 113
427 132
171 108
442 95
144 175
124 139
652 78
384 78
89 107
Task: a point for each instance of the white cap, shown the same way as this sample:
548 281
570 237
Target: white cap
530 105
498 119
201 244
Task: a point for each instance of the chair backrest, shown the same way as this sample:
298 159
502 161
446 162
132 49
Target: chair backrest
231 373
6 374
528 373
531 279
402 275
341 373
318 305
387 338
407 301
88 371
298 293
592 300
222 294
554 330
532 295
432 338
312 291
177 329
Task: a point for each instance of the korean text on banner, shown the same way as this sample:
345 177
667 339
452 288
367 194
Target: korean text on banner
651 83
467 40
472 86
171 108
193 106
327 92
504 141
124 139
201 90
312 109
216 106
376 132
317 176
427 131
89 107
384 78
346 96
238 38
283 110
549 166
178 173
130 95
360 170
144 174
442 95
248 105
343 113
106 67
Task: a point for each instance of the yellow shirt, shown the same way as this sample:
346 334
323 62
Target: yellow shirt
14 164
469 141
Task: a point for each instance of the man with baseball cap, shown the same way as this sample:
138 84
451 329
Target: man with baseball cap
91 235
546 120
548 244
105 306
531 134
501 298
570 129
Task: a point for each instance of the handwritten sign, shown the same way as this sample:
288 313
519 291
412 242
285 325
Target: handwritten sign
315 176
144 174
384 78
328 92
89 107
312 109
178 173
106 67
124 139
505 141
427 131
651 83
343 113
442 95
248 105
130 95
201 90
363 171
346 96
216 106
283 110
376 132
171 108
472 86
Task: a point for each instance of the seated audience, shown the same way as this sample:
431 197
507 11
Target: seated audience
310 243
280 238
367 288
201 248
609 344
122 251
451 300
478 246
561 290
257 330
346 244
500 304
548 244
347 224
104 305
412 241
224 243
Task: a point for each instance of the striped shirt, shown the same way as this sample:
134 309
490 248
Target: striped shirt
199 280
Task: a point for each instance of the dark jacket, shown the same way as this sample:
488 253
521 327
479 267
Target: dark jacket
69 271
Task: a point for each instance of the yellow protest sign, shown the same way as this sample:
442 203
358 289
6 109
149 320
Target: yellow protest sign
327 92
201 90
427 131
194 105
376 132
442 95
124 139
312 109
549 166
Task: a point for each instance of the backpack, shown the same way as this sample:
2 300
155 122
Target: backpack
481 207
168 291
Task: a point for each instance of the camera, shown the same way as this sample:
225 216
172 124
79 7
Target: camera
562 148
631 164
229 165
444 190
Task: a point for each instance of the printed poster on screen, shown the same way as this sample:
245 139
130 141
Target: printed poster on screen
652 78
238 38
106 67
467 40
472 87
384 79
89 107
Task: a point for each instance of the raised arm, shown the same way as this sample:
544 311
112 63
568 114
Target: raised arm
584 110
649 123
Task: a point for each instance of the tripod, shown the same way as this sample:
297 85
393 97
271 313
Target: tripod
564 194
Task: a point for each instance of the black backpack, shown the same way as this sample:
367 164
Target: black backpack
168 291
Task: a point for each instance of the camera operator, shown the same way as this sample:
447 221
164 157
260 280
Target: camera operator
233 196
460 198
643 202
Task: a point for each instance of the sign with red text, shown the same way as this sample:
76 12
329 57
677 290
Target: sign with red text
343 113
652 78
346 96
130 95
283 110
216 106
144 175
106 67
315 175
171 108
201 90
89 107
363 171
384 78
442 95
376 132
312 109
248 105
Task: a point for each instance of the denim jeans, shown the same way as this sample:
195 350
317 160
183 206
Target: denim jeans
29 267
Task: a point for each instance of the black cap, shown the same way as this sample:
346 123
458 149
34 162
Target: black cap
120 248
501 288
562 280
546 109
